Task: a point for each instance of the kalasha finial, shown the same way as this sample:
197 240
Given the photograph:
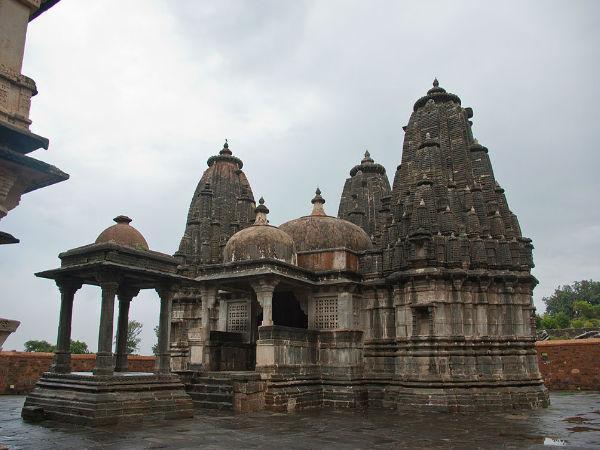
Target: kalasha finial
122 219
261 213
225 150
436 83
318 202
367 159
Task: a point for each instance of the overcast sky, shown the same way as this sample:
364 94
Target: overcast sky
136 95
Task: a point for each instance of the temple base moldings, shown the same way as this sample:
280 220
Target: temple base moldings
85 399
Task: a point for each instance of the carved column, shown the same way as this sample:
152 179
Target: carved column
164 330
104 356
62 355
125 296
264 294
209 298
345 300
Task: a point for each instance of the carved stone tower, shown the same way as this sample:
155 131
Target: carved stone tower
459 270
222 205
365 198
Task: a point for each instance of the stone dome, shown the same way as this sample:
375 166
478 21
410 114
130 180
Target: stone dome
123 234
260 241
320 231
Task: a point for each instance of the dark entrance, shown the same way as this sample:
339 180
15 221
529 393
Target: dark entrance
287 311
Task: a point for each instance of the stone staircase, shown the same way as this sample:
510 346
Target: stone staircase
211 392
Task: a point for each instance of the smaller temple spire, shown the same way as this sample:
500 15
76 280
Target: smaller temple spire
261 213
318 203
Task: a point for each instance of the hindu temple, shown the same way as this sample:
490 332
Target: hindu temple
417 295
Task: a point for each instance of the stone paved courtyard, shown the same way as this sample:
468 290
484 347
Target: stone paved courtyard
573 421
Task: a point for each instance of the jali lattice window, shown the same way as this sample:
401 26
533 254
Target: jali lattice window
326 313
237 317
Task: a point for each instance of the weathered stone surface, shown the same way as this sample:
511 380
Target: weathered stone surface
421 298
91 400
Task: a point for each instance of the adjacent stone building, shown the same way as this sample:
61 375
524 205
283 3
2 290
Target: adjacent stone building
19 173
415 296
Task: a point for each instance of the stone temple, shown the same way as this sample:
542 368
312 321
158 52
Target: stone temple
416 296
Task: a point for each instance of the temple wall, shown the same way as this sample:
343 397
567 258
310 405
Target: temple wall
21 370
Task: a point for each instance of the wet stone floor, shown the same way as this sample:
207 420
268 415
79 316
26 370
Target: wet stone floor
573 421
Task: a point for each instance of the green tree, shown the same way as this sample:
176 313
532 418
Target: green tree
585 310
39 346
79 347
548 322
564 297
562 320
134 328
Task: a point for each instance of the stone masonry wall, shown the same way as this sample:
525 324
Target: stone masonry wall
570 364
23 369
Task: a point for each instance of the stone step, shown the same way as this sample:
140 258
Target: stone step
211 397
196 387
202 404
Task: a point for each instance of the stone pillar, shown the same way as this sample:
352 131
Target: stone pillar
14 18
125 296
345 310
209 299
164 330
104 356
62 355
264 294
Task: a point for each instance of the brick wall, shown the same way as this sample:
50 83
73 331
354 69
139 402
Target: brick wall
23 369
570 364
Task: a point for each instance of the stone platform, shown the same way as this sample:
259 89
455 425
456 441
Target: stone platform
87 399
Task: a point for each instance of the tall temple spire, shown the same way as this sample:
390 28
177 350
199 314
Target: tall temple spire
222 204
448 184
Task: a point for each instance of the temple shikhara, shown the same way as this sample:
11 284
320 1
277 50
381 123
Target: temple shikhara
417 295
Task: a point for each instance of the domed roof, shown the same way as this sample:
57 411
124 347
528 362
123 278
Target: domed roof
320 231
260 241
123 234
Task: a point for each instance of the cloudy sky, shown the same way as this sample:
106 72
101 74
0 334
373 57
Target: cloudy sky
136 95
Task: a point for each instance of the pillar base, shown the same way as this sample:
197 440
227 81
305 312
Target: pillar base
121 363
90 400
62 362
104 364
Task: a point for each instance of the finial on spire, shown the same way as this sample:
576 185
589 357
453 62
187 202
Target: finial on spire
225 150
367 159
436 83
261 213
122 219
318 202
